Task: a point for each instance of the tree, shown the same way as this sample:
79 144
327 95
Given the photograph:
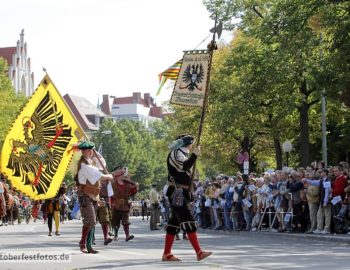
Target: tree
291 32
131 145
10 104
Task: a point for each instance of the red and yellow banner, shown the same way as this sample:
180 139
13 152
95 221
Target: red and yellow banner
37 149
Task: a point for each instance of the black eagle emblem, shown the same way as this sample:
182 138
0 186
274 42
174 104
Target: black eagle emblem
36 159
193 75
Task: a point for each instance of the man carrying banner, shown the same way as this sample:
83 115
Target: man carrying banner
179 164
88 180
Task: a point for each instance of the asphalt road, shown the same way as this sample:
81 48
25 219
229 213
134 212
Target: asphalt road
237 250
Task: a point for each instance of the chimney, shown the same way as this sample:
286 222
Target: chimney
136 97
147 98
105 106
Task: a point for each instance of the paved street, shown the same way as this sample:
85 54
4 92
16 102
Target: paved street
238 250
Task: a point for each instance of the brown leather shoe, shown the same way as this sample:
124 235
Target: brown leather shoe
92 251
107 241
170 258
129 237
203 254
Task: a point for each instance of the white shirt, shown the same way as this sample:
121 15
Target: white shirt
98 163
90 173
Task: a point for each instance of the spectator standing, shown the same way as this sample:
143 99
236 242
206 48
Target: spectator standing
228 205
324 213
154 201
338 186
295 185
313 200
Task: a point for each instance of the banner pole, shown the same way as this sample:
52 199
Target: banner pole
211 47
76 120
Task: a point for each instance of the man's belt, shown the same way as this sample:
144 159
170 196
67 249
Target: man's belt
91 190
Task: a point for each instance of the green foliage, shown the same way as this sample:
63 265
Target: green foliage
131 145
11 103
266 85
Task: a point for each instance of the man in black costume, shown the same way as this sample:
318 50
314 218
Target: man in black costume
180 163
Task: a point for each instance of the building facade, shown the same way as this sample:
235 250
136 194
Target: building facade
88 116
19 67
134 108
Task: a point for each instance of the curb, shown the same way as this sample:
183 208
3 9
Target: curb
344 238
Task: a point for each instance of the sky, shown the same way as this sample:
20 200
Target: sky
115 47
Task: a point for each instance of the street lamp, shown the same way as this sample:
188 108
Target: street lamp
287 147
324 124
105 132
324 130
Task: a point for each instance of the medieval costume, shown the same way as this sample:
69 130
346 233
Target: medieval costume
123 189
35 210
88 181
104 213
52 209
10 201
2 201
180 163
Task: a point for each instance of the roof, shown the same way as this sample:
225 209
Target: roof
7 53
128 100
81 108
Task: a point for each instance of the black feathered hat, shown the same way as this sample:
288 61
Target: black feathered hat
187 139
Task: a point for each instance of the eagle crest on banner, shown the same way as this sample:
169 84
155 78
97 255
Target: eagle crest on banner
193 75
190 86
35 159
37 150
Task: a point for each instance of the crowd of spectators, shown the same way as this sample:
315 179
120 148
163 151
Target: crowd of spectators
303 200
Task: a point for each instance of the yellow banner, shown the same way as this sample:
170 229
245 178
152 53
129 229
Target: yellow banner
37 150
191 83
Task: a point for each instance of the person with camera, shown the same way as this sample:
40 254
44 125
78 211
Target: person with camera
180 163
88 180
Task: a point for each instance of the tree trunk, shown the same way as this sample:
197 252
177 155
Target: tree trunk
278 151
304 128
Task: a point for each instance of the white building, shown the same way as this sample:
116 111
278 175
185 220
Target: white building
19 69
134 107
